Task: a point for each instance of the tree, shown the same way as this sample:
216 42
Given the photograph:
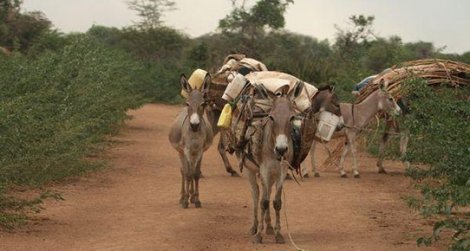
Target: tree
247 27
348 41
150 11
264 14
18 30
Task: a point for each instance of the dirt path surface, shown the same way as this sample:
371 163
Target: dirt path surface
133 205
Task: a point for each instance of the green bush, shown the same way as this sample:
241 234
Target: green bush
56 109
440 142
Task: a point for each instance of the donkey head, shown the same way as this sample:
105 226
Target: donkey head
196 101
386 102
326 100
281 117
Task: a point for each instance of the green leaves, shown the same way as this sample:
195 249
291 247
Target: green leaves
57 108
440 137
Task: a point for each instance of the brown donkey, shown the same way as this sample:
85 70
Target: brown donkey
356 117
191 135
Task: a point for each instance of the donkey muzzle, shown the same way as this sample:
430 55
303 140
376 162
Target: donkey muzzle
280 151
194 127
194 122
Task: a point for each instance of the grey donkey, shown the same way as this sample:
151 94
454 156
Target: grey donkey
356 117
275 150
191 135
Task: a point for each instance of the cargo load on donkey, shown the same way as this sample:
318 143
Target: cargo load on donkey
251 108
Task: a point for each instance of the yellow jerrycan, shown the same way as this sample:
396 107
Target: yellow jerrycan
225 118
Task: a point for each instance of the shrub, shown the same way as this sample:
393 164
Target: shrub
57 108
440 140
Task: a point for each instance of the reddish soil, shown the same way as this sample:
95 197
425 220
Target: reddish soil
133 204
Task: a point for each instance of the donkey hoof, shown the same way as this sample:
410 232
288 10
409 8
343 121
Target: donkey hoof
234 174
197 204
184 204
344 175
269 230
257 239
316 175
306 175
279 238
382 171
253 229
357 176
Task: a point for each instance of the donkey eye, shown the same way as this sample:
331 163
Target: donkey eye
187 104
292 118
271 118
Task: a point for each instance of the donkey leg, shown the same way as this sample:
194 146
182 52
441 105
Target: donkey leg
191 190
352 145
255 195
182 187
404 138
277 205
196 176
267 219
223 154
312 160
383 143
184 172
264 202
341 161
305 169
187 187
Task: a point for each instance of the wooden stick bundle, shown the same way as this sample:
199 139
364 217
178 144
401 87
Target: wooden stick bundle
433 71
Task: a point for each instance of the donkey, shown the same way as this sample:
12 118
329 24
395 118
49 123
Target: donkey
191 135
392 123
356 117
275 148
213 114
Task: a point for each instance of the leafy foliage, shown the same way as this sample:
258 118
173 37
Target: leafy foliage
18 30
57 108
438 124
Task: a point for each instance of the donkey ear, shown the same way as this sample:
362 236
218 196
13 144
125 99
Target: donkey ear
206 84
282 91
298 88
184 84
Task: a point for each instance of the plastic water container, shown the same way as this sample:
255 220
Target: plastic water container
235 87
326 125
225 118
195 81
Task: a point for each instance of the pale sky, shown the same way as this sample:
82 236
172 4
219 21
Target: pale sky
445 23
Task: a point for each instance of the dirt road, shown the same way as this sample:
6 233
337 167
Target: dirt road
133 205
